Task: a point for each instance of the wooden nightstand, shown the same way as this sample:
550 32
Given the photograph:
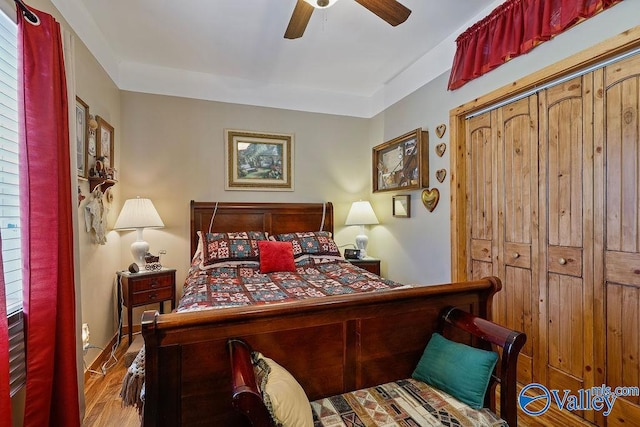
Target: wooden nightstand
370 264
143 288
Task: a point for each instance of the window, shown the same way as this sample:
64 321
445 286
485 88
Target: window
10 198
9 183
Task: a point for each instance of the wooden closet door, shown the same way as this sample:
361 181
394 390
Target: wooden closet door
516 128
617 180
481 199
566 332
502 202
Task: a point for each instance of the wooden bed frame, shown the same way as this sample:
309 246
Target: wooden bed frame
331 345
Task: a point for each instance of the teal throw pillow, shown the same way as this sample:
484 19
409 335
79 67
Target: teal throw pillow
458 369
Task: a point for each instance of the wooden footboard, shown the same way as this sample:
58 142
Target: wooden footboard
331 345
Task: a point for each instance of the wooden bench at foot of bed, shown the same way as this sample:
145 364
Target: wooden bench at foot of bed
406 401
330 345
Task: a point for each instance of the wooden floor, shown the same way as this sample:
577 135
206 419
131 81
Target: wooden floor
104 406
102 397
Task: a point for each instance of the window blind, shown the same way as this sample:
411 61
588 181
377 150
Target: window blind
9 183
10 199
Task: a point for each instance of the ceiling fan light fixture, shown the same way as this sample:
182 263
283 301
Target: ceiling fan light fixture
321 4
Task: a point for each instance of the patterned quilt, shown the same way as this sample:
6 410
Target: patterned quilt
244 285
406 403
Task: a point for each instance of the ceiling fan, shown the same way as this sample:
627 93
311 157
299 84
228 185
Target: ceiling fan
390 10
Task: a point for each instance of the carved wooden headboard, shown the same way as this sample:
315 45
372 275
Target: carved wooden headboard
274 218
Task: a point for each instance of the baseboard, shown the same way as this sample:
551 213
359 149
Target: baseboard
105 353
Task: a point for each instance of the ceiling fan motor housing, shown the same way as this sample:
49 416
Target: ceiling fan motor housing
391 11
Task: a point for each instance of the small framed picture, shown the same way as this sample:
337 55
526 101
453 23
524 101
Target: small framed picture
401 206
82 136
104 144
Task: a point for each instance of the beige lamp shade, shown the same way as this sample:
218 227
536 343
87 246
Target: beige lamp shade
361 213
138 214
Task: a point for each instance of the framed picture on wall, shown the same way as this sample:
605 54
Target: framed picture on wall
259 161
401 207
104 144
402 163
82 136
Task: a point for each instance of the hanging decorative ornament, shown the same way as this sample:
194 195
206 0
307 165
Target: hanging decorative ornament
440 130
441 175
440 149
430 198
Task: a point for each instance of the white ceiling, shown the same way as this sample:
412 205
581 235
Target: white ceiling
348 62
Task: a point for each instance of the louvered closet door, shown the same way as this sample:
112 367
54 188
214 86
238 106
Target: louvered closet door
566 262
617 179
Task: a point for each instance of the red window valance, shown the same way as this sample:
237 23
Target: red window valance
514 28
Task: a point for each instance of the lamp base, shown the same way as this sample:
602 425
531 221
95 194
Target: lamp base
139 249
361 243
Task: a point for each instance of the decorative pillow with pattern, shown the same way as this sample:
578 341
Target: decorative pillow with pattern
315 245
283 396
232 247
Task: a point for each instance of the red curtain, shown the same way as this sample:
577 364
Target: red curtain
512 29
45 212
5 392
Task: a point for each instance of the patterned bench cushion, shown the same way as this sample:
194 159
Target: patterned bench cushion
400 403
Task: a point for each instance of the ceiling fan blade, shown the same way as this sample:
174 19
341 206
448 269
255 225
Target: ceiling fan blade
299 20
389 10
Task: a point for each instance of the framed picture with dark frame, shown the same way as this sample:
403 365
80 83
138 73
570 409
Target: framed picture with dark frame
401 206
104 143
402 163
259 160
82 136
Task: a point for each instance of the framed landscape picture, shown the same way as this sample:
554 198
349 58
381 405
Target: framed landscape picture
259 161
402 163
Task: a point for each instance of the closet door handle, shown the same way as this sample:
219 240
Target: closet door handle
516 255
562 261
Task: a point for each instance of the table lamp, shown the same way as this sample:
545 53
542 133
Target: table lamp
361 213
138 214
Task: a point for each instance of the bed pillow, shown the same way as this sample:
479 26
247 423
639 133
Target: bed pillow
227 247
283 396
315 245
276 256
458 369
